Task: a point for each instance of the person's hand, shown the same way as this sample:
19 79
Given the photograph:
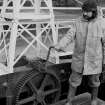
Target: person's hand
57 48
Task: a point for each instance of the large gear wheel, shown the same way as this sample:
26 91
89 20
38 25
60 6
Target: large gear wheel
37 88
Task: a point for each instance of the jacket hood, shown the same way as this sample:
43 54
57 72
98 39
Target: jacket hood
89 5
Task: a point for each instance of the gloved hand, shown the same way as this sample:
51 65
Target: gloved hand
57 48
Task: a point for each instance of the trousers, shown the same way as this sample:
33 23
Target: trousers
76 79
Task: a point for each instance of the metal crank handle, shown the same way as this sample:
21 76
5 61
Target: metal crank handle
52 47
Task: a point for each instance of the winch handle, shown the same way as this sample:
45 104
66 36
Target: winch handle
48 54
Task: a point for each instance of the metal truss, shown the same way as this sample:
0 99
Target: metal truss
24 23
25 28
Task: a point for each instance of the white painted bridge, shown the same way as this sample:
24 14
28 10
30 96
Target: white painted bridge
30 30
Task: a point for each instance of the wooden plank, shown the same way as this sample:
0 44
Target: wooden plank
82 99
85 99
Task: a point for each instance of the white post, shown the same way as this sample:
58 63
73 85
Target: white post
38 26
55 37
2 15
54 31
12 47
13 36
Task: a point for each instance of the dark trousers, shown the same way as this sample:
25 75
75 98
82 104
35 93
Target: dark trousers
76 78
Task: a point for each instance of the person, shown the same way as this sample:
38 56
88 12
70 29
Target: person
87 58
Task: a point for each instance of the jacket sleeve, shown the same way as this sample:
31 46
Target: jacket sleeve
103 39
68 38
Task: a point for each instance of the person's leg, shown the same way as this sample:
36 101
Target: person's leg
94 83
74 81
